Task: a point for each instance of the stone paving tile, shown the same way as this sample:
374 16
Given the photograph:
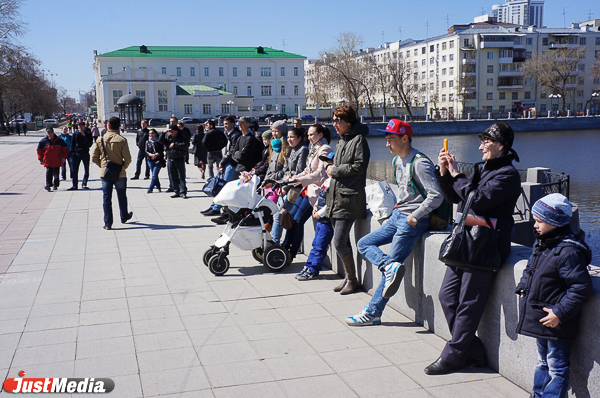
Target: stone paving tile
127 386
48 337
52 322
355 359
99 317
44 354
173 358
105 331
104 305
107 366
226 353
173 381
319 386
257 390
390 381
297 366
335 341
231 374
480 388
162 341
105 347
292 345
408 351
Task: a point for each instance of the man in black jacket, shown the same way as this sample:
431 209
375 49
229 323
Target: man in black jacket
140 140
247 151
81 143
177 147
214 141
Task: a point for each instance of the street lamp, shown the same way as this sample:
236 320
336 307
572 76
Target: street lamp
595 96
230 103
552 96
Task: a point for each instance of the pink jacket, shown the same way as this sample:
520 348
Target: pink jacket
314 174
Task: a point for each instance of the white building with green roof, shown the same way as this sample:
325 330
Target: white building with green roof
200 82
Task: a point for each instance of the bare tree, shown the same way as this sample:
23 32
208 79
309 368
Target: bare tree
320 83
66 102
555 69
404 83
596 80
11 26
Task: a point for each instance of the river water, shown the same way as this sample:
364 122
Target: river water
575 153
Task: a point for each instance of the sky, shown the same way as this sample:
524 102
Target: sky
63 34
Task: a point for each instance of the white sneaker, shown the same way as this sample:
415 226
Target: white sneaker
394 272
363 318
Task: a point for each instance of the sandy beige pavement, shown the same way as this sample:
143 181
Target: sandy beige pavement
136 304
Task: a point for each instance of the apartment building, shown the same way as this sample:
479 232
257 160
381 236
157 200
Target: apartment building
520 12
200 81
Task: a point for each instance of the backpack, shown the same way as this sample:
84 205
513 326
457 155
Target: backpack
438 218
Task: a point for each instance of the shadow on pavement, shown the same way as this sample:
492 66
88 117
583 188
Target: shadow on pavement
140 225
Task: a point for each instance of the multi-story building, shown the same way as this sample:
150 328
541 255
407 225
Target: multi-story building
200 81
477 68
520 12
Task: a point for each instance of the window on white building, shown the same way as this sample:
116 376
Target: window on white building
248 71
582 41
235 90
206 109
431 73
490 81
489 96
116 95
529 41
443 97
206 71
192 71
178 71
265 91
490 55
451 43
249 90
221 71
282 71
451 71
295 90
110 70
451 83
265 71
164 70
451 56
234 71
443 71
162 101
282 90
295 71
188 109
423 62
443 45
515 96
501 96
142 95
443 58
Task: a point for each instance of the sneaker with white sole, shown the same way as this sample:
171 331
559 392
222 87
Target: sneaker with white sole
307 275
301 272
393 274
363 318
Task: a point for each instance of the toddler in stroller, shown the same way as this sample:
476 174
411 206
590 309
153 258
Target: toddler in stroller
248 212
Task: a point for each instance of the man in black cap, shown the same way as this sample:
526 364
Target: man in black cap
140 140
177 147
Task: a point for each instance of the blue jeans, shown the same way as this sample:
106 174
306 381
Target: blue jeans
79 157
155 169
551 377
228 176
277 229
403 238
107 189
63 169
301 212
323 236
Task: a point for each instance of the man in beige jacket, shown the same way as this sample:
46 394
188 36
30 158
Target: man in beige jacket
112 147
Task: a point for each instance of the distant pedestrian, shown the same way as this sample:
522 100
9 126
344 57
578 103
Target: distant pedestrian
81 143
52 152
113 148
95 132
24 125
214 141
199 149
176 149
156 158
66 137
18 127
141 139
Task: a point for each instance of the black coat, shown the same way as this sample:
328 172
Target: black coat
180 146
232 139
498 185
247 152
81 143
156 147
556 277
141 138
199 149
214 140
261 168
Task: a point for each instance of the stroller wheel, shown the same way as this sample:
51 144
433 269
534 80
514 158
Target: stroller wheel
208 254
275 258
218 264
257 254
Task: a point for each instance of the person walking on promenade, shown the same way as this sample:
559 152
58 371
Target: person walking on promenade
346 198
187 134
80 152
414 174
95 132
141 139
70 126
66 137
177 146
24 125
156 158
52 152
113 148
214 141
164 139
464 293
554 287
200 152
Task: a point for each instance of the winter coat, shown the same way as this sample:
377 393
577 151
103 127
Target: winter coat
180 146
52 151
498 185
141 138
346 198
199 149
117 151
214 140
556 277
246 152
156 147
67 139
81 142
232 138
296 160
314 174
261 168
275 169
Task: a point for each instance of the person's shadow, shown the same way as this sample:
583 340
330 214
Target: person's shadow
142 225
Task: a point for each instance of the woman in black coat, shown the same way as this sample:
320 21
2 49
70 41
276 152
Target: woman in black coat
464 293
200 151
155 152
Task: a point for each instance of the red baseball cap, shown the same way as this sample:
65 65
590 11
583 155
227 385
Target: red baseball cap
397 126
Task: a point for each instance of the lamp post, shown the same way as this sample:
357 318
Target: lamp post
552 96
595 97
229 105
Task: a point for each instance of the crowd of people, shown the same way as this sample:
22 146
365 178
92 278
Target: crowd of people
301 172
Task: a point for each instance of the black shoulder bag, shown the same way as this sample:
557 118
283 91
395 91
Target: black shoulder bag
112 171
471 247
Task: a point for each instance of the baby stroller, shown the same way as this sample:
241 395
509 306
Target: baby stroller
248 212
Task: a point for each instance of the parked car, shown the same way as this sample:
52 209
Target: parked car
190 120
263 118
307 118
15 121
158 122
220 118
277 116
50 123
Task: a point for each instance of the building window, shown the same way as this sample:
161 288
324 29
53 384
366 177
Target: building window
451 56
579 93
221 71
598 41
235 90
124 68
431 87
443 97
164 70
408 54
206 109
444 84
282 71
423 50
501 96
443 58
234 71
423 62
517 40
295 90
225 109
527 54
178 71
188 109
431 73
581 67
192 71
451 83
265 91
527 95
283 108
443 45
248 71
451 71
431 48
269 107
515 95
490 55
490 69
162 101
116 95
249 90
544 41
489 96
451 43
543 94
265 71
295 71
490 81
431 61
423 75
444 72
582 41
416 64
282 90
206 71
466 42
142 95
416 52
543 108
528 81
529 41
110 70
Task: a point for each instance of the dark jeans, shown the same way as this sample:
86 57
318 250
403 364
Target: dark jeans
154 182
107 189
177 170
300 213
63 169
141 157
341 236
213 160
52 173
79 157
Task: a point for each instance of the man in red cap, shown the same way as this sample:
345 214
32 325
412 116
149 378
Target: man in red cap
418 195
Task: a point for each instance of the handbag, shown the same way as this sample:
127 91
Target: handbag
213 185
471 247
112 171
293 194
285 219
381 200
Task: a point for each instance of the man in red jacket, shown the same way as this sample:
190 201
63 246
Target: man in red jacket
52 152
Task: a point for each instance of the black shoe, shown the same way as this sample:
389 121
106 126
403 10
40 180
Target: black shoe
222 219
206 211
47 188
211 212
183 196
135 178
72 189
107 227
170 190
129 215
176 195
441 367
159 189
85 187
149 191
146 178
55 188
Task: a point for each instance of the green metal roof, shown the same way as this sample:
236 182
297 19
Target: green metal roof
199 52
188 89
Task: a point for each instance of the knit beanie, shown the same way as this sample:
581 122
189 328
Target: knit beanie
267 134
553 209
281 126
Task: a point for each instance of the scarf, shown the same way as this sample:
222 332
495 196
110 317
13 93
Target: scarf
276 144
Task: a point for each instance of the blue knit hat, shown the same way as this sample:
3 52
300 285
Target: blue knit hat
553 209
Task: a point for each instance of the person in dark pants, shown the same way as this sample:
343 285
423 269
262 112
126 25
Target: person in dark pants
80 152
187 134
52 152
66 137
140 140
113 148
156 159
214 141
199 149
177 146
464 293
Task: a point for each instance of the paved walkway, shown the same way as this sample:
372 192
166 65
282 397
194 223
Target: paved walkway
136 304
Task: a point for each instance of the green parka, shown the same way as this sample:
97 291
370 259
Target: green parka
346 198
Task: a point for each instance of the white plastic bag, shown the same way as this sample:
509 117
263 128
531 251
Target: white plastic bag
238 193
381 200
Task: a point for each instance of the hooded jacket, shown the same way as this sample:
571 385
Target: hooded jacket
52 151
117 151
346 198
214 140
556 277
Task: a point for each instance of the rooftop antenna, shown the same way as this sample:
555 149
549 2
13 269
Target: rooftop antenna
400 31
382 37
590 13
283 44
427 25
482 11
447 21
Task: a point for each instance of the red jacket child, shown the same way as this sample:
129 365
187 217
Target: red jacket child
52 150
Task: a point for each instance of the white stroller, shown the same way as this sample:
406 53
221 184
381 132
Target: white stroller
248 212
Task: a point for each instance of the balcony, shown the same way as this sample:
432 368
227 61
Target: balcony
510 73
468 74
467 90
470 61
505 60
510 88
554 46
497 44
469 47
